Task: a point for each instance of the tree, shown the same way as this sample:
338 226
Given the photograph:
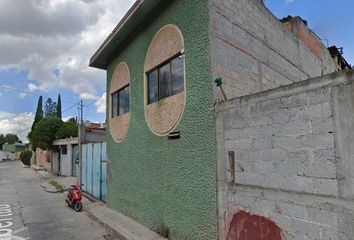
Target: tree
11 138
25 157
49 129
58 111
50 109
73 120
39 113
44 133
69 129
2 140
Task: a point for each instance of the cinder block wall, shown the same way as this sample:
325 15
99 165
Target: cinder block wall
253 51
293 169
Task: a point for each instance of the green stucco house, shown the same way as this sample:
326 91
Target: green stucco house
162 60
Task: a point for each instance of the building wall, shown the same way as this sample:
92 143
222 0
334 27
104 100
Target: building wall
253 51
292 169
55 163
13 148
161 183
66 160
43 159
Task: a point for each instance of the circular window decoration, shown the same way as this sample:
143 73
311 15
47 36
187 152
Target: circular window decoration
119 102
165 93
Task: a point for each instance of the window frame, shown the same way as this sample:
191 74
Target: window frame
118 93
64 150
170 82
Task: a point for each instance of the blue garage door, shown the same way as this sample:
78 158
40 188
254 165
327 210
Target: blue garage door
84 168
94 169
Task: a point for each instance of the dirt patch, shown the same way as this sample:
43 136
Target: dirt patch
57 186
110 233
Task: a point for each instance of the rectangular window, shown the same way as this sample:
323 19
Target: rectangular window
153 87
121 102
64 150
178 75
166 80
127 100
115 104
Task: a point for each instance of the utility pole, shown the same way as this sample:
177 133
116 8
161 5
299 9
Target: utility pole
81 113
81 139
80 109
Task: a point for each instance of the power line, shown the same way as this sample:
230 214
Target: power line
18 90
6 87
70 107
79 104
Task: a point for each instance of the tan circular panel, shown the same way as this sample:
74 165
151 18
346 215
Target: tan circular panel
163 116
119 125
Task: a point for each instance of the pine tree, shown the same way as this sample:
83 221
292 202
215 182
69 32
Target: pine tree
50 109
39 113
59 107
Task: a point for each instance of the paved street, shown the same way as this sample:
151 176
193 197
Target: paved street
28 212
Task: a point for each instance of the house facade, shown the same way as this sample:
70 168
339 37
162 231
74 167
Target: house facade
66 162
161 61
14 148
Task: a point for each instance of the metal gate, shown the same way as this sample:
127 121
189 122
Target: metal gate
74 158
94 169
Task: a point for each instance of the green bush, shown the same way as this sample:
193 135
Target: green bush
26 157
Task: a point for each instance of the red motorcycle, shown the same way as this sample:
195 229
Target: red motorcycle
73 198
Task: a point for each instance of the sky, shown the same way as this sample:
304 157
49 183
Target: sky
45 47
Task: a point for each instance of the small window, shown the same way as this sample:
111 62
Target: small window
166 80
64 150
121 102
153 87
115 104
178 75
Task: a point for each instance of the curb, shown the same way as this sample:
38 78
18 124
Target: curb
110 229
121 225
91 199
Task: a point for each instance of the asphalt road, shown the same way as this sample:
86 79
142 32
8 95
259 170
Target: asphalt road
28 212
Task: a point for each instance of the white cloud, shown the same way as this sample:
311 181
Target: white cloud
101 104
65 119
32 87
54 40
289 1
19 124
88 96
22 95
4 115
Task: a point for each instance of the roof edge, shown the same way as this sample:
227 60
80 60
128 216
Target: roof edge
113 34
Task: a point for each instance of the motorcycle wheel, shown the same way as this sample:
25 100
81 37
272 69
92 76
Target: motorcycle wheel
78 206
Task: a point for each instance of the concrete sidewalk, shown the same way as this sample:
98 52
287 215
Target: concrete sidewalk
125 227
122 226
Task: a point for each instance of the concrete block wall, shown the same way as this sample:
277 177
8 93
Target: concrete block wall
41 157
253 51
47 159
293 167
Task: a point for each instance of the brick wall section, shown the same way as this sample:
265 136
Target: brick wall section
293 158
253 51
49 160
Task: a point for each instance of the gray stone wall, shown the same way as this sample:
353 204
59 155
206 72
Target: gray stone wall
293 161
253 51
